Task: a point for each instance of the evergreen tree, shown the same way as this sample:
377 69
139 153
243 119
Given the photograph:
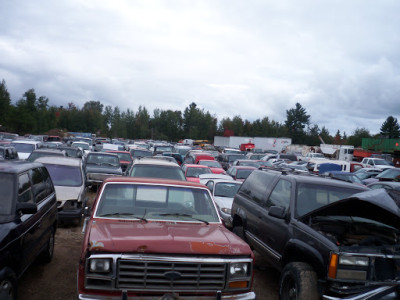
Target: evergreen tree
390 128
5 103
296 120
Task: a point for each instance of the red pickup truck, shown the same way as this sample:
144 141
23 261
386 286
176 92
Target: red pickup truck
154 238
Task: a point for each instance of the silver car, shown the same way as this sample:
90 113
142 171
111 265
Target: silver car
70 184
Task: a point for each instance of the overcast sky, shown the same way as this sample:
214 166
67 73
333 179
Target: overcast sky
340 59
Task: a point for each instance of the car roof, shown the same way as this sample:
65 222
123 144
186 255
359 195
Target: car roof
196 166
17 166
26 142
313 179
154 161
158 181
56 160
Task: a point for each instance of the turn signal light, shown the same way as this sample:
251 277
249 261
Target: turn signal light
333 266
238 284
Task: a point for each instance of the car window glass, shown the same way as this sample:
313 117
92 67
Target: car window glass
39 187
210 185
281 194
6 193
257 185
24 188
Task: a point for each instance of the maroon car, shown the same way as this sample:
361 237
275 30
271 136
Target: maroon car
148 238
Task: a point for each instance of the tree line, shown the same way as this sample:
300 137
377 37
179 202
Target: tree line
34 115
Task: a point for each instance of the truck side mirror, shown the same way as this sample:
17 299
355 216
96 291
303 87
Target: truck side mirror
277 212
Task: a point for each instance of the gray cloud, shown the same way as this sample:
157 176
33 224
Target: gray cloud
339 59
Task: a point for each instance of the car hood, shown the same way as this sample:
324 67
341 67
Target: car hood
102 169
68 192
375 205
223 202
217 170
129 236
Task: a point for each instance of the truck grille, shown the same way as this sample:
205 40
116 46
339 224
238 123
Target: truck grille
164 275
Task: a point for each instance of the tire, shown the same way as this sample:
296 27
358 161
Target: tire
298 281
239 231
8 289
47 254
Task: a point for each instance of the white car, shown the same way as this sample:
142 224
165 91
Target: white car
379 163
25 147
70 184
223 192
86 147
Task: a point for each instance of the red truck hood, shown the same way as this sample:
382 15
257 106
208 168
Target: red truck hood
128 236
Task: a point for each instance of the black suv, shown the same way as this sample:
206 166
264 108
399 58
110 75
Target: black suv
28 220
327 237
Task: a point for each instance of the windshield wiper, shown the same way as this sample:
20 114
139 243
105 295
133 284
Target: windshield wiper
184 215
123 214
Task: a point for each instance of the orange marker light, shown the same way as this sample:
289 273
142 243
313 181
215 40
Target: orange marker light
238 284
333 266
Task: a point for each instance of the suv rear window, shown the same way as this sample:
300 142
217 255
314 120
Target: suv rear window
154 171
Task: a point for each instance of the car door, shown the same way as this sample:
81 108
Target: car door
29 223
44 197
275 231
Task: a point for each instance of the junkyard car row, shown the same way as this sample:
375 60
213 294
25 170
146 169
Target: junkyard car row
173 225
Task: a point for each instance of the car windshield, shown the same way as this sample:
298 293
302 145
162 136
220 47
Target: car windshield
182 151
389 173
138 153
311 196
65 175
226 189
195 172
257 156
84 146
210 163
25 148
6 193
232 158
163 148
97 159
155 171
381 162
348 178
249 163
124 157
35 155
156 202
243 174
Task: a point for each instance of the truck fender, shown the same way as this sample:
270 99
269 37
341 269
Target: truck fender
297 250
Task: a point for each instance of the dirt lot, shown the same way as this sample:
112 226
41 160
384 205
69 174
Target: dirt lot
57 280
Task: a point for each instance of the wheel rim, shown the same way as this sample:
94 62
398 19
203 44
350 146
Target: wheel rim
6 290
290 288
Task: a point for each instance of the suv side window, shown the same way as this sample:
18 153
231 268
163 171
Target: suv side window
257 186
281 194
24 188
40 184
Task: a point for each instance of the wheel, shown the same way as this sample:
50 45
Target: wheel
239 231
298 281
47 254
8 289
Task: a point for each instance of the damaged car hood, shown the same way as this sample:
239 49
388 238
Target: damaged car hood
132 236
375 205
